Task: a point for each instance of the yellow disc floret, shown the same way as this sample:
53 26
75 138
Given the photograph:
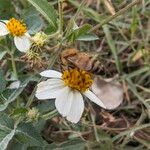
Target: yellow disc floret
16 27
77 79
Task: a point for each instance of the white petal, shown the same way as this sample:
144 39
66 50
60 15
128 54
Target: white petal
3 29
94 98
49 89
22 43
77 108
50 83
63 101
51 74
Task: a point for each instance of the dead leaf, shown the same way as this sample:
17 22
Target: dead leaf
139 54
111 94
109 6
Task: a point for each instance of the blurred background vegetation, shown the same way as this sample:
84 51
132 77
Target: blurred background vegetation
121 40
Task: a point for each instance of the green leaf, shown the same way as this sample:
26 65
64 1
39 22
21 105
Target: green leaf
6 131
33 20
112 48
6 140
46 106
19 111
2 54
13 95
82 30
78 32
46 10
88 37
26 133
73 145
2 82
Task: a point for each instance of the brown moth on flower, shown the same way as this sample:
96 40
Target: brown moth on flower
73 58
68 87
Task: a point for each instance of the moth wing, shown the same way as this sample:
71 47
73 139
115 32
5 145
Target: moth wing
82 61
110 94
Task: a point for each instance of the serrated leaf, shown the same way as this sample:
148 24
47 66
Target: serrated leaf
6 131
26 133
13 95
2 82
46 10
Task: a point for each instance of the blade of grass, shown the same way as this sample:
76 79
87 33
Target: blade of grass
120 12
132 130
136 73
112 48
132 87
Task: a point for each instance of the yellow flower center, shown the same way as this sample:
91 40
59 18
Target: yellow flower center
16 27
77 79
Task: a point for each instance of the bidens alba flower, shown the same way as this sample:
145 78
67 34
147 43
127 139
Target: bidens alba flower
17 29
67 88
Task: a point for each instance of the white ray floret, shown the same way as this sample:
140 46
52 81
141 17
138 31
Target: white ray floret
68 101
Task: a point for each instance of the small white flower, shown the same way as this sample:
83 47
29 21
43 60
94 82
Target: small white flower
19 31
67 88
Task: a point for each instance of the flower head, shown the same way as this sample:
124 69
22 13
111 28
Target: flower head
67 88
77 79
39 39
33 114
34 60
18 30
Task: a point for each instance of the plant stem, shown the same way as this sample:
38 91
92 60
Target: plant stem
120 12
14 66
50 114
60 15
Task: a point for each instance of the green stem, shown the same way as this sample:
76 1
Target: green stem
15 73
60 15
50 114
14 66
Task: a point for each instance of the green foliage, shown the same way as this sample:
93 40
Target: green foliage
9 95
33 20
46 10
88 26
26 133
7 131
2 82
6 9
81 33
2 54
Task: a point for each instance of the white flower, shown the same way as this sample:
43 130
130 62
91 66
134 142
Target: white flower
19 31
67 89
